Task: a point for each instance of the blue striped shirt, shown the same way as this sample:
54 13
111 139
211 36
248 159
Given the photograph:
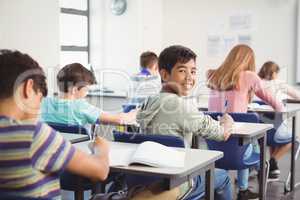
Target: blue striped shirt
31 158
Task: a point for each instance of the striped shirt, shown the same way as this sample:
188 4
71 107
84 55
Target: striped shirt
31 158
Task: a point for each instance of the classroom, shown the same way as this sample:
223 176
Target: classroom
149 99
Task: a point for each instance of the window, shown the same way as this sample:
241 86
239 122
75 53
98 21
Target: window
74 31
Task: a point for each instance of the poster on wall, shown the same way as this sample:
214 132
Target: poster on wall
241 21
245 39
213 45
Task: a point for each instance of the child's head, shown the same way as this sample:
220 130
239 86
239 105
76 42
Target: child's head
269 71
177 67
226 77
22 81
74 79
149 60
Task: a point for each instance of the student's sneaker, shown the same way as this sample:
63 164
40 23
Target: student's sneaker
274 172
247 194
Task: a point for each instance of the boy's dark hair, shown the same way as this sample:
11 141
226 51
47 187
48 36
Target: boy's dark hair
174 54
147 59
17 68
72 75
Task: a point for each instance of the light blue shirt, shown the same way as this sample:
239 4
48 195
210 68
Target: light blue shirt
64 111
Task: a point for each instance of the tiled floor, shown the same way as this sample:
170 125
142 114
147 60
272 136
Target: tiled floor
275 190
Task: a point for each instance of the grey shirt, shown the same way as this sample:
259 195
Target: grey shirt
170 114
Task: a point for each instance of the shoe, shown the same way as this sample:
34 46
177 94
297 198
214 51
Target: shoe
274 172
247 194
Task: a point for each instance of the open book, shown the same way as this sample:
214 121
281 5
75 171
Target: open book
147 153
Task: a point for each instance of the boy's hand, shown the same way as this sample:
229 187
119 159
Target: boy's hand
129 117
227 122
101 145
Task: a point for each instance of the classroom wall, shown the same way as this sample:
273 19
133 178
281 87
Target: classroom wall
149 24
117 41
31 26
273 28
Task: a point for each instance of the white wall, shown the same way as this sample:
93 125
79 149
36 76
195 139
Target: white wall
31 26
273 32
117 41
149 24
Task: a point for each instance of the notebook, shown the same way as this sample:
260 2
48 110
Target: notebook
147 153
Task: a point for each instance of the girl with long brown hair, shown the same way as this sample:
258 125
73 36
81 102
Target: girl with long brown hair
235 82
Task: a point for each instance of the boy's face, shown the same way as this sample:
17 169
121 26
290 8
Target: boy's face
182 77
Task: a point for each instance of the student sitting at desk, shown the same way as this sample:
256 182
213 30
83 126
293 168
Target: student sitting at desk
149 64
147 81
171 113
234 82
280 90
32 155
70 107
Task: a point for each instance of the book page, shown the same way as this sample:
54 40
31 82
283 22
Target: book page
120 156
157 155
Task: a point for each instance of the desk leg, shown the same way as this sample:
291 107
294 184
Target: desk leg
209 183
292 181
262 180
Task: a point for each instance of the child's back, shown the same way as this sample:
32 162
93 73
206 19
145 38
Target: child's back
29 152
65 111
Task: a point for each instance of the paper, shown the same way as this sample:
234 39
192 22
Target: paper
245 39
241 21
147 153
214 45
256 106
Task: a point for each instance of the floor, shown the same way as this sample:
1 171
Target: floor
275 190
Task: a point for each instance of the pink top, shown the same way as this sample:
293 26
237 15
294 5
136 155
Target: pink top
237 99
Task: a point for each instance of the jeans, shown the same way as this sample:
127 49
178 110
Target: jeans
222 186
243 174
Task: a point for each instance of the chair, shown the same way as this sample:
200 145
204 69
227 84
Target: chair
66 128
8 196
137 138
236 153
233 158
167 140
128 107
69 181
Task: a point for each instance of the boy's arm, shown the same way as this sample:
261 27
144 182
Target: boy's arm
120 118
96 166
203 125
51 153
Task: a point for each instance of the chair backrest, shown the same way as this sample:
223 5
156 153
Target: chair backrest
128 107
65 128
233 151
137 138
259 102
8 196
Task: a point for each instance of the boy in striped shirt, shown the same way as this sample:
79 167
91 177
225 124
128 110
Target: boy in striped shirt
32 155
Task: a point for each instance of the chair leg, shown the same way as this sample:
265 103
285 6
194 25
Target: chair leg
287 182
191 187
79 195
267 174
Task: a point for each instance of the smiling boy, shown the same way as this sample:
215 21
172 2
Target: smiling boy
171 112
